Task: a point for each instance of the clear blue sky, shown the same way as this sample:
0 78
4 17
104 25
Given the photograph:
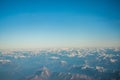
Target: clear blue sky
59 23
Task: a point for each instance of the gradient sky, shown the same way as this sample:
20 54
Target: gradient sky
59 23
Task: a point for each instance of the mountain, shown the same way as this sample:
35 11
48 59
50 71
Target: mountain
42 74
45 74
60 64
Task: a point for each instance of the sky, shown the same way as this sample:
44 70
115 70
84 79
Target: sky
59 23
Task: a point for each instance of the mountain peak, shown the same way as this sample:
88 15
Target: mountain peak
42 74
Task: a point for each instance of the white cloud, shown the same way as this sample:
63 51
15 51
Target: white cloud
100 69
19 56
63 62
5 61
113 60
54 57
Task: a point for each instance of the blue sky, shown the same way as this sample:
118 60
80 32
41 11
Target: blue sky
59 23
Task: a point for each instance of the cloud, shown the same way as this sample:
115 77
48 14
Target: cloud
100 69
54 57
113 60
63 63
19 56
5 61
